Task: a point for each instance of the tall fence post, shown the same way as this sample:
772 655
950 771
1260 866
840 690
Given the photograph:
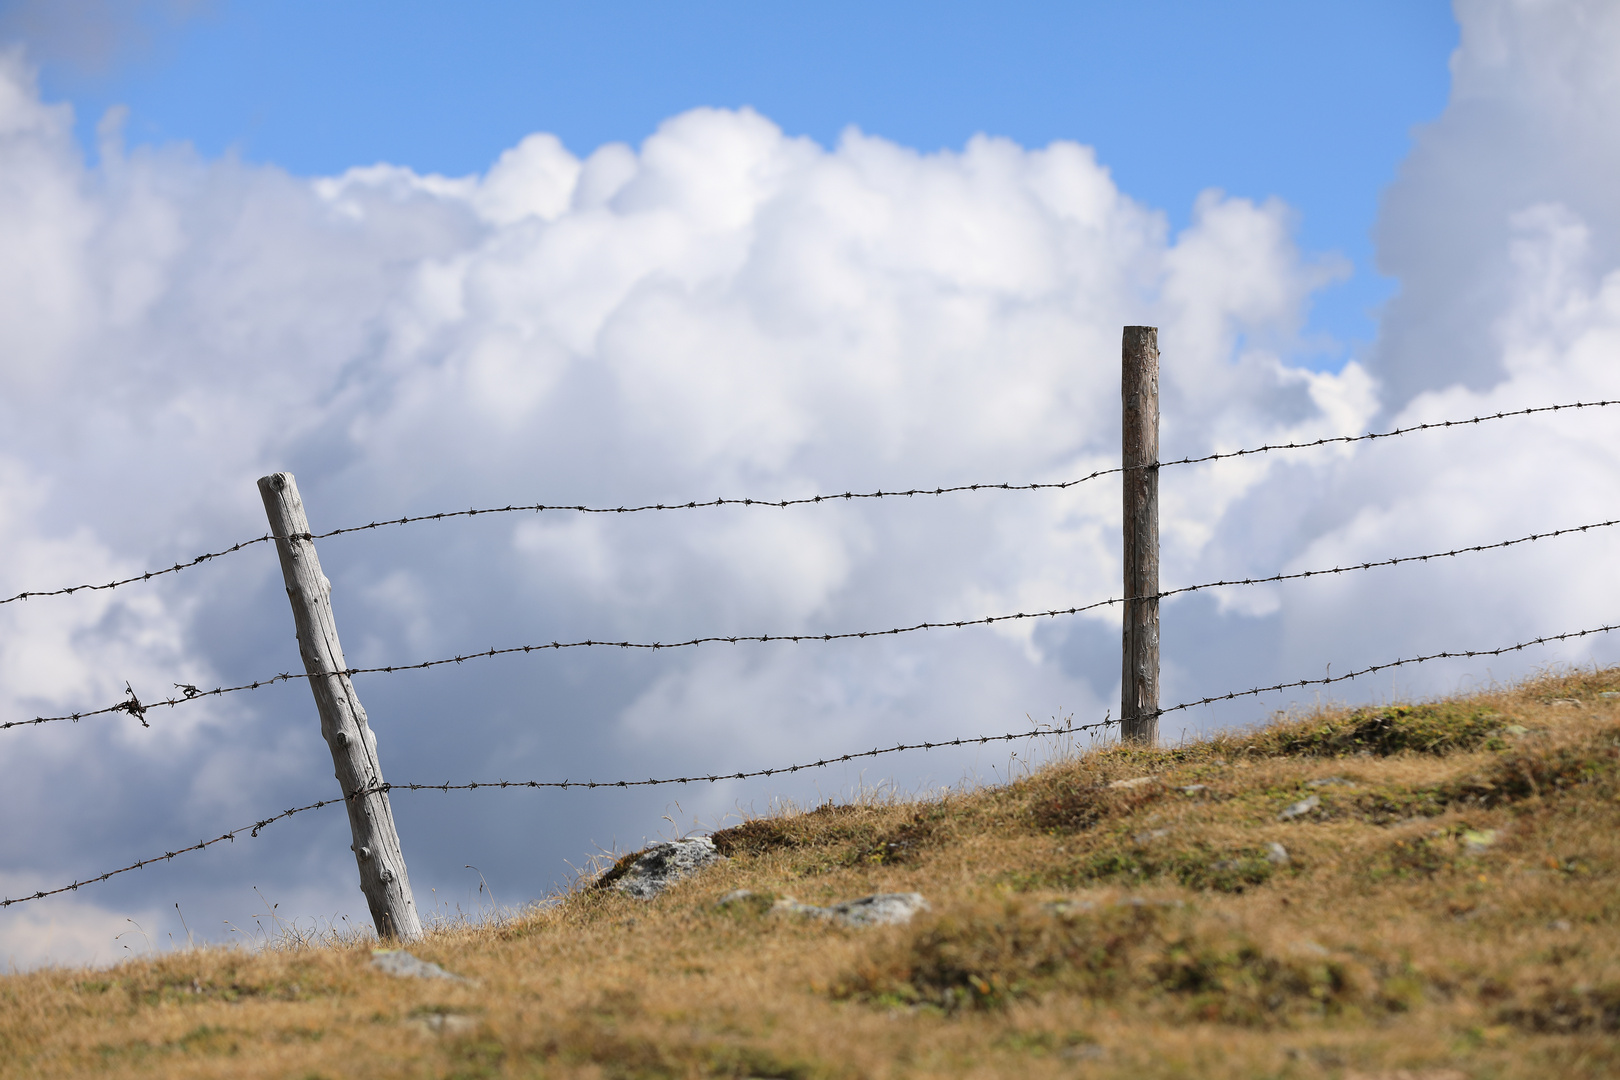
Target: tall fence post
343 722
1139 683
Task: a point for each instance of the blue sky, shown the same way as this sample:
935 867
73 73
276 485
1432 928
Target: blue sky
1312 103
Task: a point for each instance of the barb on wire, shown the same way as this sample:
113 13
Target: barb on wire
1392 664
251 830
133 706
146 576
189 692
710 778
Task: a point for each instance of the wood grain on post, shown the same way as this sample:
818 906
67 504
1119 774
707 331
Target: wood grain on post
1139 685
343 722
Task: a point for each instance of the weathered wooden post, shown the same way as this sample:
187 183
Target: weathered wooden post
1139 386
343 722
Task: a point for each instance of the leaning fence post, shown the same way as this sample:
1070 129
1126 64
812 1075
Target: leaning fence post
1139 387
343 722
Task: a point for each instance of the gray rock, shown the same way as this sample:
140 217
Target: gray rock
400 963
446 1024
665 863
1300 809
1276 853
879 909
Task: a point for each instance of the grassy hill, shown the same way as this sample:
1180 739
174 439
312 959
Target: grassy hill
1424 891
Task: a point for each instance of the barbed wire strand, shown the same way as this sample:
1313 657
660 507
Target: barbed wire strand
1391 664
252 830
1056 485
136 708
146 576
710 778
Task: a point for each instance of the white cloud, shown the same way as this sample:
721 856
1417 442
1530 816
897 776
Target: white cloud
728 311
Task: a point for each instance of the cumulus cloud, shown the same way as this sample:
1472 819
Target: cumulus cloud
725 310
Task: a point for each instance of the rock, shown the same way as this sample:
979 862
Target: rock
1476 841
665 863
1194 789
1301 808
1134 782
1276 853
1330 781
446 1024
402 964
879 909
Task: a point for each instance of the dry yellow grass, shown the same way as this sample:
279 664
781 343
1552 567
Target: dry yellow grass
1448 910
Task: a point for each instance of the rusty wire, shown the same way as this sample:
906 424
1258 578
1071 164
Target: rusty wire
808 499
191 693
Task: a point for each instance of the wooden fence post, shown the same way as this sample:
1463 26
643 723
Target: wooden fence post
343 722
1139 387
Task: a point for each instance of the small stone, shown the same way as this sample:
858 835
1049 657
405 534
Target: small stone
880 909
1276 853
1134 782
1330 781
733 897
665 863
1562 925
1193 789
1301 808
1067 907
1478 840
402 964
446 1024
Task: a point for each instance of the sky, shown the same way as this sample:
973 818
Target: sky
649 254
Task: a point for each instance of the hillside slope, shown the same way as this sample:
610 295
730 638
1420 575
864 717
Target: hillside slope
1415 891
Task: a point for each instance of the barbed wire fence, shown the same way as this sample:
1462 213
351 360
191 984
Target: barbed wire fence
187 693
